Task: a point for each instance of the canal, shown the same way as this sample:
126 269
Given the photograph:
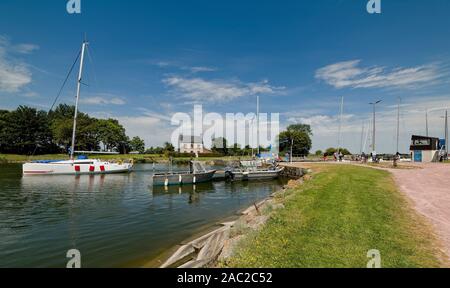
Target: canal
113 220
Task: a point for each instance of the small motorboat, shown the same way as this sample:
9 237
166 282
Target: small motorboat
250 170
196 174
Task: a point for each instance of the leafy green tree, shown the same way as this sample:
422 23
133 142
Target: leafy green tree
235 150
319 153
61 123
331 151
300 136
137 144
4 145
155 150
168 147
111 134
29 131
26 131
305 128
220 145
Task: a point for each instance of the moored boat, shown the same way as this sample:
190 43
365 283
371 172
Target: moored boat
246 172
75 166
197 174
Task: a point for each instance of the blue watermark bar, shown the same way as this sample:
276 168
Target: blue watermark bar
180 278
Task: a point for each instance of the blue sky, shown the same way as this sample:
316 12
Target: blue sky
151 59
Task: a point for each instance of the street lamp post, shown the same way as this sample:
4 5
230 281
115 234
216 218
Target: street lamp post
374 104
398 125
292 148
446 133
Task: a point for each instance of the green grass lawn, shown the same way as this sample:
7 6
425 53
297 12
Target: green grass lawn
335 219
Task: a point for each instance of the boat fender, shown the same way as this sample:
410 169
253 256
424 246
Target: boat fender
180 179
166 182
194 180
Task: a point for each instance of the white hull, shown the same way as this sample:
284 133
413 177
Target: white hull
76 167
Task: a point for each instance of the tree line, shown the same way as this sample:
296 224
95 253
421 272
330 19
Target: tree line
330 152
28 131
298 136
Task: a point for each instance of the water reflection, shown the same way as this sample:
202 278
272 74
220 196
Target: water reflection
194 191
112 219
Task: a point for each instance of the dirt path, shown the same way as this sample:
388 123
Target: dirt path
429 189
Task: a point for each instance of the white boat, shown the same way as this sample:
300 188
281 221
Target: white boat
75 166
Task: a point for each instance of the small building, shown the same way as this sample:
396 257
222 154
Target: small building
191 144
424 149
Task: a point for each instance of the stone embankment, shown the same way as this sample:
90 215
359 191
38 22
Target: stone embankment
219 245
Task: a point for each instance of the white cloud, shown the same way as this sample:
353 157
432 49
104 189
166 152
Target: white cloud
13 76
103 99
350 74
25 48
199 69
325 127
178 65
199 89
30 94
152 130
14 73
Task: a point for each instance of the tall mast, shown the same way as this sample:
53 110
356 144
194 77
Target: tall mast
374 134
373 130
257 124
362 138
80 73
398 123
426 121
366 139
341 112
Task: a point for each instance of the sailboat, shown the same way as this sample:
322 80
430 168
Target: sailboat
75 166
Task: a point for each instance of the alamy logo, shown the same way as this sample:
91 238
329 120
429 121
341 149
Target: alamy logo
74 7
374 6
75 259
375 259
237 128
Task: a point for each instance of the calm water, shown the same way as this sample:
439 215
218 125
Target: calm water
114 220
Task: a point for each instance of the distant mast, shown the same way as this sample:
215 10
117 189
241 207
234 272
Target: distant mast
374 134
72 150
362 138
341 112
257 125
